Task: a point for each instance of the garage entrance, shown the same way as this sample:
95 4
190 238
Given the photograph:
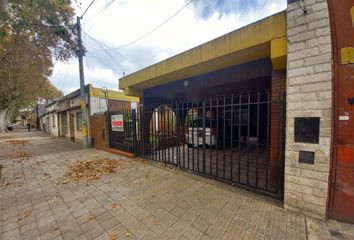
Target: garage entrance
237 138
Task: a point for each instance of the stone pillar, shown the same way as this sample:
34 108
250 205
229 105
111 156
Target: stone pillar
309 93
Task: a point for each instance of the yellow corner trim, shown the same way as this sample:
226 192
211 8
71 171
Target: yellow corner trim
278 53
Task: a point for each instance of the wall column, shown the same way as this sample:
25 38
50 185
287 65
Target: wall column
309 94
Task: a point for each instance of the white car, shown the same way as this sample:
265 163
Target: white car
195 133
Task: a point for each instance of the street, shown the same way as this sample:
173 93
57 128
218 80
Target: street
130 199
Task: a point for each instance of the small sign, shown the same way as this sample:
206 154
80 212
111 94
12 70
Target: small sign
343 118
117 123
307 157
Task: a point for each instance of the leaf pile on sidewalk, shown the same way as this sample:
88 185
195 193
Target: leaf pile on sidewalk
92 170
18 142
19 148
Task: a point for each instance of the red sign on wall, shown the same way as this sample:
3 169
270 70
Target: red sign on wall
117 123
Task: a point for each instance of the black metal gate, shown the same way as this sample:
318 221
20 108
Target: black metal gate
237 138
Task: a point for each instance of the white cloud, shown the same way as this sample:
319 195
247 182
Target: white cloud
126 20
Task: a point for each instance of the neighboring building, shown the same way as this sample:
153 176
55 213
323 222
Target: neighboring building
300 152
50 119
97 99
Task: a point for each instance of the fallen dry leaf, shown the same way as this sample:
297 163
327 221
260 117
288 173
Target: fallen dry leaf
91 170
113 237
52 230
92 217
25 215
21 153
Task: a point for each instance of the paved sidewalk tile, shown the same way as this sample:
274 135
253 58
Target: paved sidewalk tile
140 201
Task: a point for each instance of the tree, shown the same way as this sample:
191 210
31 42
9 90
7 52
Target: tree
33 36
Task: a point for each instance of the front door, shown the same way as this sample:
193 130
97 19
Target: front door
342 170
72 127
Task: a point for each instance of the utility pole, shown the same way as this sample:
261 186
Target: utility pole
80 54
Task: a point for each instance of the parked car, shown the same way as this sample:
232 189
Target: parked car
10 127
213 134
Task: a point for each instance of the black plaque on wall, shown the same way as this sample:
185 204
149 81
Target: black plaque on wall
307 157
307 129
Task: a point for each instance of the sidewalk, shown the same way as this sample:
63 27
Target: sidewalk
140 201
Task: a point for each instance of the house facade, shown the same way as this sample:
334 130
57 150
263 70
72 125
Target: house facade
276 96
98 101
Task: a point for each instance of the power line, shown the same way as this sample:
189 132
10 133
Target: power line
153 30
105 47
105 64
105 7
114 60
87 9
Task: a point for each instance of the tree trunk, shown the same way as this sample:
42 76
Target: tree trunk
3 113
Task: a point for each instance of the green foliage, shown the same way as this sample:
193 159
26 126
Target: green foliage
32 34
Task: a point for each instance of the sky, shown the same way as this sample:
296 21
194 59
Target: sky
123 36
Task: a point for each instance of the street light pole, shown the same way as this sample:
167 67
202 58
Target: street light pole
80 54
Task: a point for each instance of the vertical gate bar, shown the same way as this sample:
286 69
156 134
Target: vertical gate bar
193 110
154 127
168 133
198 136
239 136
177 134
279 138
124 147
158 131
257 156
283 144
134 132
162 137
268 136
130 131
232 133
224 137
211 137
109 123
184 132
217 136
248 136
152 133
189 143
204 134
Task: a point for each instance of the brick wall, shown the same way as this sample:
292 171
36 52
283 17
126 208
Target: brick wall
309 91
276 126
